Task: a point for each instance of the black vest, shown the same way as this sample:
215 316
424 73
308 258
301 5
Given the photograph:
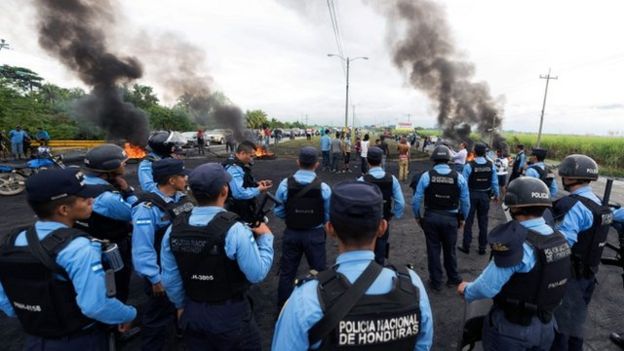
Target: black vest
208 275
544 175
385 185
442 194
539 291
304 205
103 227
389 321
245 208
481 176
45 306
588 249
171 211
516 171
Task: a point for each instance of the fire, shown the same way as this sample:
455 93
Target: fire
134 151
470 157
262 152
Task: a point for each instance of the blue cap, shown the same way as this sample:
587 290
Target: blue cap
167 167
208 178
308 155
354 203
541 153
56 183
506 243
374 155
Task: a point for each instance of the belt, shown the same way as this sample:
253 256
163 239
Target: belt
443 213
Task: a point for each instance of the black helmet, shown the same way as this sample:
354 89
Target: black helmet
527 192
105 158
159 144
578 167
441 153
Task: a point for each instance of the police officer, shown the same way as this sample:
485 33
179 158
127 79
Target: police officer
209 260
585 222
447 203
151 215
519 162
482 181
52 276
356 303
243 186
527 275
538 169
112 207
160 145
305 208
394 203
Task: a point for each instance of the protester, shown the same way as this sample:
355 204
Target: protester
17 136
42 136
404 155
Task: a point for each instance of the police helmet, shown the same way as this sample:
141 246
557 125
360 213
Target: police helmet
527 192
160 144
105 158
441 153
578 166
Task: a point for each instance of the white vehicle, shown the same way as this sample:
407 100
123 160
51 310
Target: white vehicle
215 136
191 139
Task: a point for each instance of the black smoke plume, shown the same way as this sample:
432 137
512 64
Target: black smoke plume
75 32
421 44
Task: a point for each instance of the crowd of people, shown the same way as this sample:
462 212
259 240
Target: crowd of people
18 142
198 243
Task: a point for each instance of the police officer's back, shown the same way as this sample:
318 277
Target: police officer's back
160 145
527 276
518 164
243 187
209 260
358 303
394 203
52 277
482 183
151 216
585 222
305 208
112 207
446 202
537 169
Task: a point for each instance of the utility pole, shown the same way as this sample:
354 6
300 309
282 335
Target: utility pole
548 78
353 125
347 98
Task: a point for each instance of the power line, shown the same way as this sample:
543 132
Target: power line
336 30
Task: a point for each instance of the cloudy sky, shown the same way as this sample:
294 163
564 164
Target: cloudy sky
272 55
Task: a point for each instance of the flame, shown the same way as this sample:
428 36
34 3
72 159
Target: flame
470 157
134 151
262 152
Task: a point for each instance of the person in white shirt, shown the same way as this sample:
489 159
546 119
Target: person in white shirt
459 157
364 154
502 169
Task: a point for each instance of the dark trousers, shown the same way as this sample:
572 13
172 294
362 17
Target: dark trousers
441 235
95 341
364 164
381 246
325 155
122 277
479 205
572 313
158 315
335 157
294 244
227 326
501 334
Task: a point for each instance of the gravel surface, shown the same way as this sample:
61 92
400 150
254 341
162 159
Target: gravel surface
407 246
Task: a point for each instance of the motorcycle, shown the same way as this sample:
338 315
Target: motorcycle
13 177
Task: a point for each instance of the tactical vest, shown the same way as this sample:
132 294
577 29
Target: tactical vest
481 176
208 275
544 175
245 208
388 321
588 249
305 208
442 194
515 168
385 185
539 291
45 306
102 227
171 210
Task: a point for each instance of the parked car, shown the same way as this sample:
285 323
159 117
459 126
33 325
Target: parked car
216 136
191 139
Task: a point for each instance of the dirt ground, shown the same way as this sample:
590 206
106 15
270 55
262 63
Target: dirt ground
407 246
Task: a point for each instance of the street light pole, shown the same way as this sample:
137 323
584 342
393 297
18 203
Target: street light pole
348 62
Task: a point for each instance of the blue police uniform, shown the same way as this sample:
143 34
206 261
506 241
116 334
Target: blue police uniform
296 242
440 226
479 205
146 179
530 172
236 184
219 325
398 206
517 167
499 333
147 219
618 215
572 313
113 205
325 149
